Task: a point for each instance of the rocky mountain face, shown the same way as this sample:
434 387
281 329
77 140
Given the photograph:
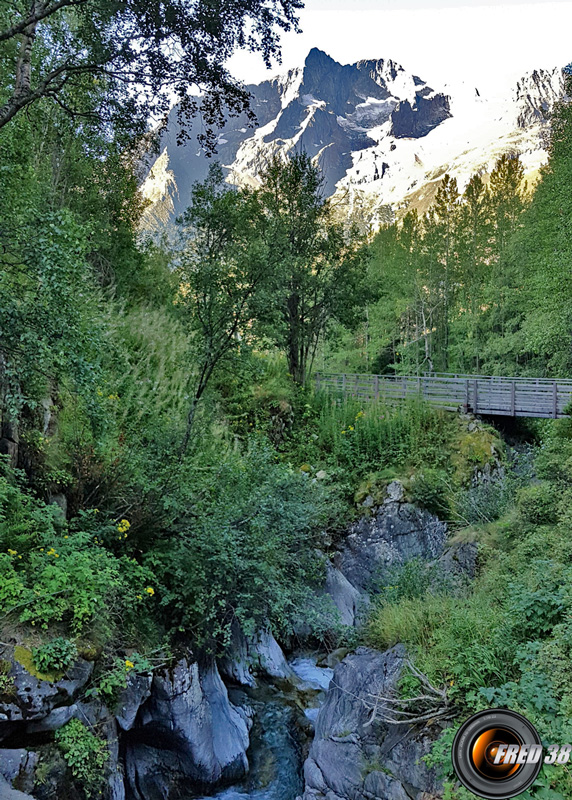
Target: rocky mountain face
382 136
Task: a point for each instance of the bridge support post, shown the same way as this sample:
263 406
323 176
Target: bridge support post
475 397
555 399
513 398
466 404
376 386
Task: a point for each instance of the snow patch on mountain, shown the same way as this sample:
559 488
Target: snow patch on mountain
382 136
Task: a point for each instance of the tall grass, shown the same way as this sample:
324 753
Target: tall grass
372 434
153 367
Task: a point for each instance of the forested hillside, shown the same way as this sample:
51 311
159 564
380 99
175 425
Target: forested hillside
479 283
169 480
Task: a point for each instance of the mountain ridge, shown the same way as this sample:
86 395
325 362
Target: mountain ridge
379 133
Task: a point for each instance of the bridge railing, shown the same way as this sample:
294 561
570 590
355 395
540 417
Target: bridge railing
480 394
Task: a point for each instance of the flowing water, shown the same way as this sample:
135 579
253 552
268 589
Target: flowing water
277 739
275 755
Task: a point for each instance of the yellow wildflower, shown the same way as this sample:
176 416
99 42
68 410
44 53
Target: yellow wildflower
13 552
350 427
140 597
123 526
150 591
344 433
129 665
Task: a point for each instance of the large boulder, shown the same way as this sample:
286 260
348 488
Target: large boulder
31 697
187 730
251 656
395 532
353 758
348 600
18 767
138 689
8 793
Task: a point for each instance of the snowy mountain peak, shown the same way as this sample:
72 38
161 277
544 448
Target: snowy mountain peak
536 93
382 136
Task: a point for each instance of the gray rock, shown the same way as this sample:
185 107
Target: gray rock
351 759
347 599
188 729
19 766
395 492
269 658
8 793
61 501
396 533
55 719
458 564
131 699
96 715
248 657
34 698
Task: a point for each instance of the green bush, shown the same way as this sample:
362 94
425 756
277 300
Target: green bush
538 504
54 656
429 489
85 754
52 573
485 502
245 546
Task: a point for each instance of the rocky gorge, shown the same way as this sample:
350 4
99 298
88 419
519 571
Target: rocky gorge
268 726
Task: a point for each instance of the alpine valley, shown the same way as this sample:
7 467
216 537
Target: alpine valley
383 137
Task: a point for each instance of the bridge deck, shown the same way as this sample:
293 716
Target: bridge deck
480 394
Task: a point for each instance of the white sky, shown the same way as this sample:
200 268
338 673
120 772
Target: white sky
442 42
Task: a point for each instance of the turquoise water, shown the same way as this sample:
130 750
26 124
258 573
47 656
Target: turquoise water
277 739
275 756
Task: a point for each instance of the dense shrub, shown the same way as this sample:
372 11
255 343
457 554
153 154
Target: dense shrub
85 754
53 573
243 548
429 489
538 504
54 656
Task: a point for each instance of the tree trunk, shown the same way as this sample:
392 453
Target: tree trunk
9 436
23 81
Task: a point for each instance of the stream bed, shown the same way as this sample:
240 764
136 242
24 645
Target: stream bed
280 735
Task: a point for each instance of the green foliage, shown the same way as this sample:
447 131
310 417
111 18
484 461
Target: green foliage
429 490
51 573
150 383
7 686
538 504
89 65
85 754
363 437
245 547
54 656
318 267
445 284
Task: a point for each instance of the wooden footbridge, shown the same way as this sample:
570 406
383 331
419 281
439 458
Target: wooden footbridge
479 394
